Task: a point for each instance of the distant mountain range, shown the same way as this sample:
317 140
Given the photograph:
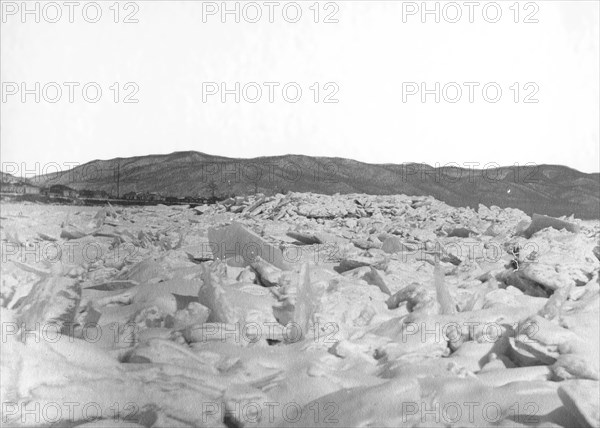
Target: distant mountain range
548 189
8 178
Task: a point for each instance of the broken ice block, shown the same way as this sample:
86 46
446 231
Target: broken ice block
539 222
236 240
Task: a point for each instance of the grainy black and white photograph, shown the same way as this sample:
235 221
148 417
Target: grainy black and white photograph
310 213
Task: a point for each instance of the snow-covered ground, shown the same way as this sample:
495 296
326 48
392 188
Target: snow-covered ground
298 310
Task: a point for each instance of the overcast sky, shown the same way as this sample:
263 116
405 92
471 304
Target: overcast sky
367 61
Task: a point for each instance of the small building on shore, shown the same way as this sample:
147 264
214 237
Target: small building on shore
60 191
19 188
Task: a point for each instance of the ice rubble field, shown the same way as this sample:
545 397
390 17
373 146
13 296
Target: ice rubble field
298 310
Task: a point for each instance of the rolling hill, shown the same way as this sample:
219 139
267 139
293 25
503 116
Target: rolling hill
548 189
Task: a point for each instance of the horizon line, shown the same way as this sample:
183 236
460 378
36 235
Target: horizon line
453 165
